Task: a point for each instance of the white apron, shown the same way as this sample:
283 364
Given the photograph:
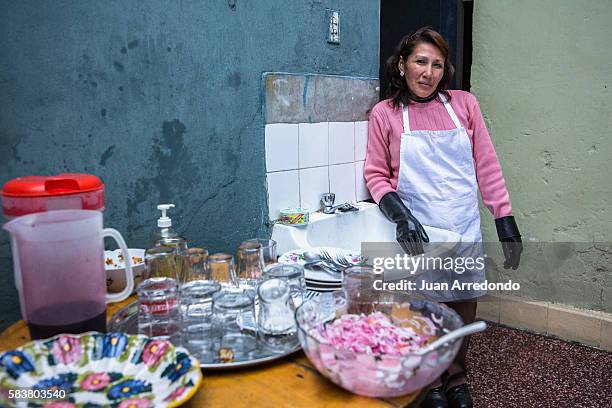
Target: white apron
437 182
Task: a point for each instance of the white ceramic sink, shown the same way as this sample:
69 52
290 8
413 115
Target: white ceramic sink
350 230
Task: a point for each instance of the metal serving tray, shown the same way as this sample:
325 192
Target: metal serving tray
126 320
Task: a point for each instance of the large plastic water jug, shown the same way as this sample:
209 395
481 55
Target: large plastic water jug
58 260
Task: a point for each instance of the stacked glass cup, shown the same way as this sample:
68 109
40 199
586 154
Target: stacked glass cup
158 295
208 303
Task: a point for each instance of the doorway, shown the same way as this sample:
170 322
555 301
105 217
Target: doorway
451 18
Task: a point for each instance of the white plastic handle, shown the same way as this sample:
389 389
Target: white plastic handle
455 334
129 276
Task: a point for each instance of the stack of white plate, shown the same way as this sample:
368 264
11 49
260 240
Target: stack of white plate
317 280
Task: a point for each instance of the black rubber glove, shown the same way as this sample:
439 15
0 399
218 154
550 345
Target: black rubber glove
510 237
409 233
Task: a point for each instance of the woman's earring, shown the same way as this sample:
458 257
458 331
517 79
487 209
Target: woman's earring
401 73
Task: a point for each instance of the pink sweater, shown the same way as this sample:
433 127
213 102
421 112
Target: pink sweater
385 128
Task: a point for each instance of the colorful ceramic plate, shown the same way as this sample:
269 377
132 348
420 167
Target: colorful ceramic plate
297 257
98 370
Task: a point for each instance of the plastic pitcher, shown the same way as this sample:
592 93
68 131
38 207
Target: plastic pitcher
58 260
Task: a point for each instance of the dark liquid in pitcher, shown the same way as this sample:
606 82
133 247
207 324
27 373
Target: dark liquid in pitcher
42 331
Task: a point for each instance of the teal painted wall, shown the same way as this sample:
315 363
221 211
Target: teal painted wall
163 101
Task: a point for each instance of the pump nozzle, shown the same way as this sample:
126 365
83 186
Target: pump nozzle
164 221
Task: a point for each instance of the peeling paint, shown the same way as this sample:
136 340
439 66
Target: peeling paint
295 98
107 155
305 94
234 80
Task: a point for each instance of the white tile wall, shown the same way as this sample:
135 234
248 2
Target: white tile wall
281 146
361 191
341 142
283 191
313 144
361 140
314 181
306 160
342 182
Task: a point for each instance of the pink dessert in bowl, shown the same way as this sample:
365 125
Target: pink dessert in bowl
377 354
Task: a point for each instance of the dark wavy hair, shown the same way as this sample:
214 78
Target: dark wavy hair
397 90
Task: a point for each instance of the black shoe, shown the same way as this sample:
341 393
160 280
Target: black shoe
435 398
459 397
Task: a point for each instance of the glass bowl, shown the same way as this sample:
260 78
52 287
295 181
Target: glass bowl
386 375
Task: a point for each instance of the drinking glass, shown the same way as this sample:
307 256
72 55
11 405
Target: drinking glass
293 275
233 325
358 286
221 268
158 308
250 265
160 262
197 330
276 326
193 265
268 249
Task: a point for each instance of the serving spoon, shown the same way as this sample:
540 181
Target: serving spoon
455 334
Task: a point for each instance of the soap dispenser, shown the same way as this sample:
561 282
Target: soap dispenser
165 234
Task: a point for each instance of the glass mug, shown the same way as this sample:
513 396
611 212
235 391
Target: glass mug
293 275
249 265
268 249
193 265
160 262
197 330
276 325
222 270
233 324
358 286
159 313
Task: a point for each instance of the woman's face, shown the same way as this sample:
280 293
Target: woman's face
423 69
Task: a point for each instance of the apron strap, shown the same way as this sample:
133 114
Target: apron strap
450 111
405 118
448 107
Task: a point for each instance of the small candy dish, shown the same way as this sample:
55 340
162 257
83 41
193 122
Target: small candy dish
114 264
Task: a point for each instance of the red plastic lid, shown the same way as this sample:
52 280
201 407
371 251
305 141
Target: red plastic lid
46 186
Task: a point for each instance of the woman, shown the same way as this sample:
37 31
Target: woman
429 153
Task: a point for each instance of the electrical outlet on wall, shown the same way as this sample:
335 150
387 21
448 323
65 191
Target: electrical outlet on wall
333 19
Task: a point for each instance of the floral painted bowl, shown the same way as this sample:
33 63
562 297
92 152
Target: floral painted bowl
98 370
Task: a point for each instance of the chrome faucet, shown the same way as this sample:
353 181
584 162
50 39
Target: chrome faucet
328 204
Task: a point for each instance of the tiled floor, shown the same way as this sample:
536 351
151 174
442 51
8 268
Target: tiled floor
511 368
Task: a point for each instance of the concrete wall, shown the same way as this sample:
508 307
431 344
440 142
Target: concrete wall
542 71
163 100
